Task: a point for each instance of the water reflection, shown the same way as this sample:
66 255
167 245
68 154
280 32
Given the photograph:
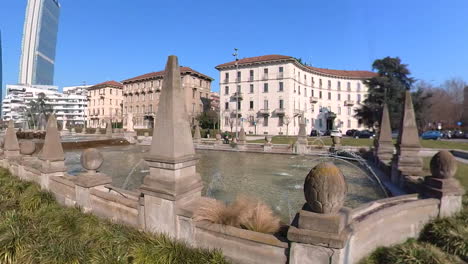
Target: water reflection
275 179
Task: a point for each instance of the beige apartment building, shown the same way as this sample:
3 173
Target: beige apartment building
269 94
104 103
141 95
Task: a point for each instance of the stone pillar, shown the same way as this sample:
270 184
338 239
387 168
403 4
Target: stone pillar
218 139
322 232
91 160
197 135
51 156
11 146
241 144
407 163
109 129
336 143
385 146
268 145
442 184
172 181
300 146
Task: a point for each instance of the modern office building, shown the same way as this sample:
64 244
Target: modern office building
269 94
141 95
68 107
1 70
39 42
105 102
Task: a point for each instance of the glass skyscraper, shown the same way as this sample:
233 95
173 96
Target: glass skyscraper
39 42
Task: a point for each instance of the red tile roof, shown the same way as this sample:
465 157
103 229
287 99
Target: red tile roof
107 84
183 70
266 58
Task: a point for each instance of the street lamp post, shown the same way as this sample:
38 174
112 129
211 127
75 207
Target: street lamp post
235 54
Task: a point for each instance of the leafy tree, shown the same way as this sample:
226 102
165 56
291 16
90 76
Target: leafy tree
392 80
208 119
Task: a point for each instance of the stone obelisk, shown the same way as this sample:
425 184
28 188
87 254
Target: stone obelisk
172 180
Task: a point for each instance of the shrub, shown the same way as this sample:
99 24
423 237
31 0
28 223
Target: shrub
410 252
90 130
244 212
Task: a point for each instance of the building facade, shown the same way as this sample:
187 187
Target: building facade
269 94
68 107
141 95
39 42
214 103
105 101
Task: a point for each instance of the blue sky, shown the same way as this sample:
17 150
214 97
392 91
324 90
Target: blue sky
103 40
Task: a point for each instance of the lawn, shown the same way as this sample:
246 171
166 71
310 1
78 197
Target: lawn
35 229
364 142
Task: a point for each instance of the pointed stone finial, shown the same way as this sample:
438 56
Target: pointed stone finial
384 142
172 138
11 141
408 136
109 128
52 149
302 136
242 136
197 134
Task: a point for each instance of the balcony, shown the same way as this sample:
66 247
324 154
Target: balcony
236 96
313 100
348 103
264 112
298 112
280 111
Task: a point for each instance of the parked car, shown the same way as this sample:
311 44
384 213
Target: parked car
432 134
395 134
315 133
458 134
364 134
351 132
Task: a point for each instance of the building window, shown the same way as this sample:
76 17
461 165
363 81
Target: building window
329 84
251 75
265 121
226 77
280 121
251 105
110 91
281 69
226 105
339 110
226 90
339 97
239 105
358 87
339 86
226 121
238 76
312 92
251 88
312 108
281 86
320 83
110 101
281 104
265 87
193 93
320 94
305 92
349 97
265 104
349 86
349 110
349 123
358 98
329 96
299 89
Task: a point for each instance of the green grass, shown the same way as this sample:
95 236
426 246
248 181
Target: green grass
364 142
35 229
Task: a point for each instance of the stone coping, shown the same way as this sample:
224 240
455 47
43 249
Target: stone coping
231 231
390 208
130 194
371 206
66 180
115 197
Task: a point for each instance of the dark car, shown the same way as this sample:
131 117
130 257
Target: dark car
351 132
314 133
458 134
364 134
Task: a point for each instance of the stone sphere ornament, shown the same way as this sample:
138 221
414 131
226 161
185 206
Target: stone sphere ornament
443 165
325 188
218 136
27 147
91 159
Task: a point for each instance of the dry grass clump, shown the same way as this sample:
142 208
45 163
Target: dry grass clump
244 212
